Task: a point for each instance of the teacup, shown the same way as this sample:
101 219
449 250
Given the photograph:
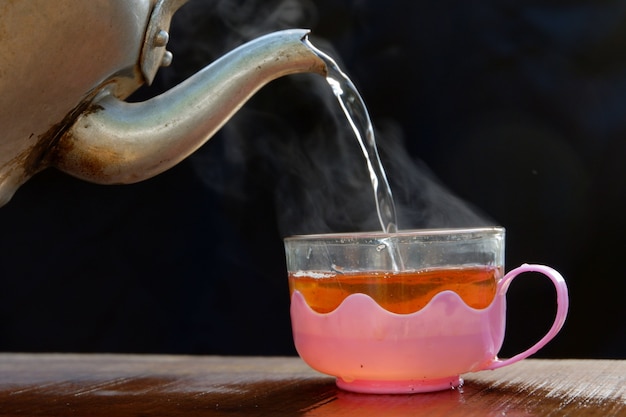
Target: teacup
405 312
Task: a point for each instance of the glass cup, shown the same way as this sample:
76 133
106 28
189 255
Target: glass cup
405 312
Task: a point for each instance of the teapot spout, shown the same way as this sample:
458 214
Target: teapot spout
115 142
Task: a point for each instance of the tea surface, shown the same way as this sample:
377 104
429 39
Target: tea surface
399 292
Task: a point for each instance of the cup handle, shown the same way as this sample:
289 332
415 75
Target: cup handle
562 301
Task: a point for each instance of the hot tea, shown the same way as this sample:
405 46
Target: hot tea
408 311
398 292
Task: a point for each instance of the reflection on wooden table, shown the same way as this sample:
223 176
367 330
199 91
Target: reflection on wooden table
147 385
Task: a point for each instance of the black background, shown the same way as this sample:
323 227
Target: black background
515 107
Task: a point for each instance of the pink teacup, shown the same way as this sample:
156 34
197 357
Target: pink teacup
405 312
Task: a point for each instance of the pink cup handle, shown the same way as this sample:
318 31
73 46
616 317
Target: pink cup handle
562 301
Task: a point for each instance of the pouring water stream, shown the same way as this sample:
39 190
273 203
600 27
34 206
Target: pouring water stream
357 115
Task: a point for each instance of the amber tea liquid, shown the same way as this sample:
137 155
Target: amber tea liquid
399 292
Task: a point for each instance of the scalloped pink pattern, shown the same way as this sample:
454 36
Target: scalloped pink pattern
370 349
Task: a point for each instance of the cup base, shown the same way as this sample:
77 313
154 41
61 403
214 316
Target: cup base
400 387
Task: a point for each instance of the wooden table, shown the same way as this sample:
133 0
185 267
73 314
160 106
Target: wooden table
153 385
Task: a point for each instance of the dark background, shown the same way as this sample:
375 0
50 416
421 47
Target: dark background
503 112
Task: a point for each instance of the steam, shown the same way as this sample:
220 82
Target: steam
291 144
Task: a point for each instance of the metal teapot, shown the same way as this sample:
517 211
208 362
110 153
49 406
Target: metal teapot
66 67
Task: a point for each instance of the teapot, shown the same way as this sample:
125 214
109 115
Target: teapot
67 66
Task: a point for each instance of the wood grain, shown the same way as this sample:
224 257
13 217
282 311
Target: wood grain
151 385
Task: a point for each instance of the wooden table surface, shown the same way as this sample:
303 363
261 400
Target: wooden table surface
155 385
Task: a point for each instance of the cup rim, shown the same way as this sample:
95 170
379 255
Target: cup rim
402 233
